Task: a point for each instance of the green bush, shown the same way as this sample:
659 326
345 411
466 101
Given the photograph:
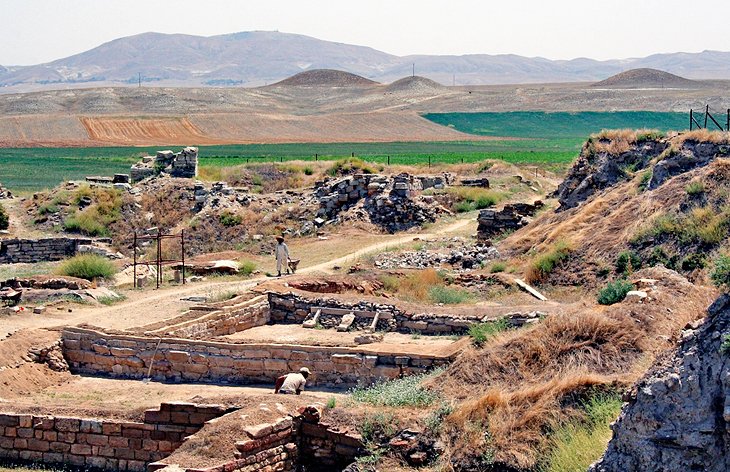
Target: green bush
694 261
644 181
614 292
331 403
85 222
87 266
308 170
229 219
720 274
627 262
464 207
4 219
482 332
498 267
695 188
405 391
246 267
448 295
725 346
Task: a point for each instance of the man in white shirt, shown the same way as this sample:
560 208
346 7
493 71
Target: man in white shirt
292 383
282 255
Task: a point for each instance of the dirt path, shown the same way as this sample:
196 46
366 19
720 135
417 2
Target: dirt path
149 306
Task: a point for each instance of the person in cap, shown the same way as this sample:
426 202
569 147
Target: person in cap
292 383
282 255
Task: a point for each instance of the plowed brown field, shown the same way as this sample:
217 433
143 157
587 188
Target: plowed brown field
143 131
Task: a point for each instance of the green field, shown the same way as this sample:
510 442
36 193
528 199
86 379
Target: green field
550 140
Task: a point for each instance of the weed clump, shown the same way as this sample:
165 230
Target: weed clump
246 267
695 188
406 391
628 262
229 219
95 219
473 198
351 165
87 266
720 274
614 292
544 264
448 295
4 219
481 332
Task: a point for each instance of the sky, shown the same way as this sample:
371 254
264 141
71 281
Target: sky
36 31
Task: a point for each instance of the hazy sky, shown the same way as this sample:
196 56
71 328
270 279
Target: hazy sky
34 31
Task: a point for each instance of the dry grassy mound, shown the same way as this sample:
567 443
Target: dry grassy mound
325 78
646 78
523 383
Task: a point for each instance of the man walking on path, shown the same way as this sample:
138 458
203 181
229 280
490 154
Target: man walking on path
282 255
292 383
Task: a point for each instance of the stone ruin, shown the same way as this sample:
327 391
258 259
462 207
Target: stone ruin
5 193
183 164
392 203
511 217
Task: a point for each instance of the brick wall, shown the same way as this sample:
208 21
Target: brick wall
88 351
39 250
102 444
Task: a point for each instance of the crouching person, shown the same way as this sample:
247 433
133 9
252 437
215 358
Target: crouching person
292 383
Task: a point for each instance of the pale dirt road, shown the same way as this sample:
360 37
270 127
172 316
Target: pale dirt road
149 306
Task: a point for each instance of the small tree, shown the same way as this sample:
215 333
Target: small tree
4 219
721 273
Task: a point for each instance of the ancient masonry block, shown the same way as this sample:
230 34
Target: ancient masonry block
184 164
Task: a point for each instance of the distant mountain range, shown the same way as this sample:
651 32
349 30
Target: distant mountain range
260 58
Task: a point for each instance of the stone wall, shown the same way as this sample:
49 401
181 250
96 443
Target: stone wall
221 322
511 217
88 351
293 308
39 250
101 444
183 164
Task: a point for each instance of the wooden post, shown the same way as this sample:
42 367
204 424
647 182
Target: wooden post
388 160
707 112
159 257
134 250
728 119
691 119
429 161
182 250
316 157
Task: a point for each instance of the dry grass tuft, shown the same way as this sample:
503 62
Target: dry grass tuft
618 141
522 383
702 136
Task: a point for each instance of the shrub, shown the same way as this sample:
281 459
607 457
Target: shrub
87 266
229 219
331 403
694 261
544 264
474 198
720 274
95 219
349 166
448 295
725 346
498 267
695 188
246 267
482 332
4 219
658 256
405 391
614 292
644 180
308 170
627 262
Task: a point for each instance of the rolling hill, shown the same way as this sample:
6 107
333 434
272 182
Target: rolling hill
259 58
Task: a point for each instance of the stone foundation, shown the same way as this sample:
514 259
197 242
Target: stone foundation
92 352
183 164
510 218
101 444
14 251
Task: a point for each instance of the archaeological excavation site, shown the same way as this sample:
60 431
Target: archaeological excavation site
226 307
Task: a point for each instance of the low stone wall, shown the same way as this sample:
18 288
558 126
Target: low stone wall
93 352
292 308
101 444
510 218
227 320
13 251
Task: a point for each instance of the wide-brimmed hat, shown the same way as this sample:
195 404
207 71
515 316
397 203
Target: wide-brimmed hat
304 370
280 238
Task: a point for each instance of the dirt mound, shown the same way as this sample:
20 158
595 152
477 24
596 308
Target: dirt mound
414 84
524 380
677 417
325 78
20 374
646 78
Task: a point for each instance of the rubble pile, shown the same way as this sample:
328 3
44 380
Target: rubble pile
183 164
465 256
392 203
511 217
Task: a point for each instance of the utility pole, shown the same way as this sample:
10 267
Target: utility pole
139 80
414 70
